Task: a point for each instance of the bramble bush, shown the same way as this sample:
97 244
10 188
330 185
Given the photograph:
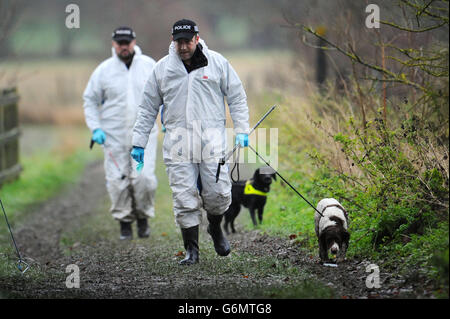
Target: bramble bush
387 160
398 192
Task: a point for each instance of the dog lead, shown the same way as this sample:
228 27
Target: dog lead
284 180
224 159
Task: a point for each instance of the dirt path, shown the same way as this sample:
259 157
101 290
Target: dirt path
76 228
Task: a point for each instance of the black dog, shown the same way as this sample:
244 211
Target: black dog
252 194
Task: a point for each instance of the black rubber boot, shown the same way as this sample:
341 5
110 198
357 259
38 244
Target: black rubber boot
143 229
126 232
190 239
221 244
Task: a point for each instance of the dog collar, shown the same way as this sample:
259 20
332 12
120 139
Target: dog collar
338 206
250 190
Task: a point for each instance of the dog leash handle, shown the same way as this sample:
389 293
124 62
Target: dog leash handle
224 159
221 162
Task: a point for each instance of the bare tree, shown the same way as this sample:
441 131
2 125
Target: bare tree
10 11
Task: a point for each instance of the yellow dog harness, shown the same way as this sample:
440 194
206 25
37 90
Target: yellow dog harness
250 190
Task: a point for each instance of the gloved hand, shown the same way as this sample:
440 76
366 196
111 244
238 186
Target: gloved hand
242 139
98 136
137 153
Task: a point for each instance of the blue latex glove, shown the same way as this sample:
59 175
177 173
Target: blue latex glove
98 136
138 154
242 139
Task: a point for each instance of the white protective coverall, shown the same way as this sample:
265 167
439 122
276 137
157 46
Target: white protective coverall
194 117
111 103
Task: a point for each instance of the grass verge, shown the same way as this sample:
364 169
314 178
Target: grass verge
423 254
44 174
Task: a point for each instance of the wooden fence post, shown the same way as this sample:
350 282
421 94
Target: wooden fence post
10 167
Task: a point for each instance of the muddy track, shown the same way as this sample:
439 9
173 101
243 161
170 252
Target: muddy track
149 269
348 279
39 237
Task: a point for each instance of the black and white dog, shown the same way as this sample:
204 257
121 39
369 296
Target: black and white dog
252 194
331 229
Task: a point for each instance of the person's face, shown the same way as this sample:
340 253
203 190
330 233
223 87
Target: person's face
186 47
124 48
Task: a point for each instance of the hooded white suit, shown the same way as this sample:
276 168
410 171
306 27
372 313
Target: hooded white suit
111 103
194 118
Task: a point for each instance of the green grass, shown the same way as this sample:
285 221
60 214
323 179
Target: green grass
286 214
44 174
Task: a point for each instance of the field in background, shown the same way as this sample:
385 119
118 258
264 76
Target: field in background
51 90
52 119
